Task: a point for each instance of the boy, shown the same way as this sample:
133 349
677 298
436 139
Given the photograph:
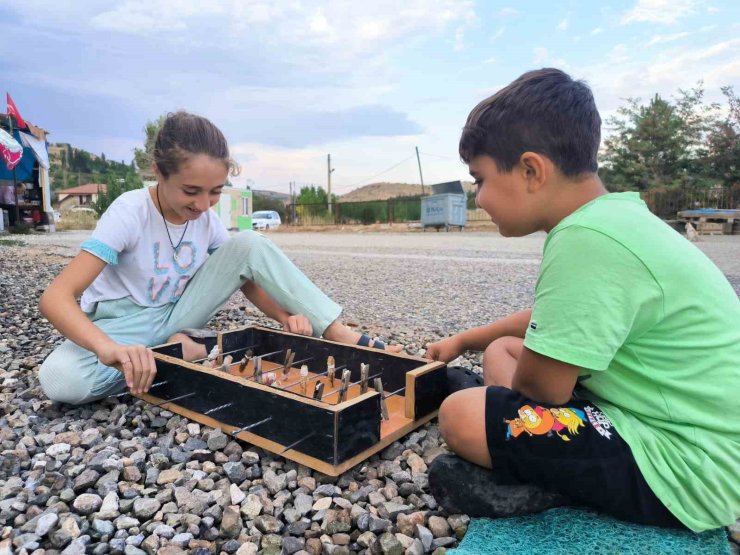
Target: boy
619 389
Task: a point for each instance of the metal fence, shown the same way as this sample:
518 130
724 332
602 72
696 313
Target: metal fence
395 210
664 203
667 203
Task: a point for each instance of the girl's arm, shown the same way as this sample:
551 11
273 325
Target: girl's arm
59 305
297 323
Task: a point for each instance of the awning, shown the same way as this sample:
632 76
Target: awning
38 148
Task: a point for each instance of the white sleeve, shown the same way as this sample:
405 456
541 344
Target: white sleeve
114 232
217 231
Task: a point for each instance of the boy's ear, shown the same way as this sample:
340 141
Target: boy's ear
536 170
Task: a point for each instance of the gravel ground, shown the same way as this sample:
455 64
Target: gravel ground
125 478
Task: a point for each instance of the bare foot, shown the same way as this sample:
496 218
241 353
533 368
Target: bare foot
190 349
342 334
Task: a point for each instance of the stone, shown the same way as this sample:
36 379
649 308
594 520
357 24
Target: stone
268 524
45 523
275 482
389 544
292 545
217 440
103 527
390 510
252 507
366 539
247 548
132 474
322 504
109 508
85 480
169 476
416 548
146 507
303 503
424 535
407 523
164 531
58 449
416 464
231 523
438 526
236 472
237 495
182 539
87 503
150 544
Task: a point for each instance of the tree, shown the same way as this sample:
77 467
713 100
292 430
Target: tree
144 156
723 143
660 144
115 186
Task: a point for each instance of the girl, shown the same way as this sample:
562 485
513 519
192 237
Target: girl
145 274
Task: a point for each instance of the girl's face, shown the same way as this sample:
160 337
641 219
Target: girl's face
190 192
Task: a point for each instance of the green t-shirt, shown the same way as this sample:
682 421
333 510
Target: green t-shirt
655 327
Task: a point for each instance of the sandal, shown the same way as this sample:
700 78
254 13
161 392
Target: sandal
459 378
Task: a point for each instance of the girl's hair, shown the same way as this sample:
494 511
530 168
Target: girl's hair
183 135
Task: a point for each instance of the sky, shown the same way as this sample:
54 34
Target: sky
289 82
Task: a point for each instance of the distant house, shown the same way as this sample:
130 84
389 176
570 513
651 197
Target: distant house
84 195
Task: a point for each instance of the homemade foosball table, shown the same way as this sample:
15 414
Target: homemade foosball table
323 404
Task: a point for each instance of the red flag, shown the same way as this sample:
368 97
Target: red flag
13 111
10 150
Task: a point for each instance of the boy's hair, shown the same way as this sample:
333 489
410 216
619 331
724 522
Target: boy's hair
182 135
543 111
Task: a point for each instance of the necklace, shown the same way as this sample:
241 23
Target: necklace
167 229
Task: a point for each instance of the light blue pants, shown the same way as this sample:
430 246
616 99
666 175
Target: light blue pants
71 374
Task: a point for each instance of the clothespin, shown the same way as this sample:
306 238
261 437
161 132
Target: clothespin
257 375
227 363
318 391
383 405
289 358
269 378
245 361
212 356
345 386
364 375
330 370
304 379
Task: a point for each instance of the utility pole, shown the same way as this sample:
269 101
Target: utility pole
329 171
421 177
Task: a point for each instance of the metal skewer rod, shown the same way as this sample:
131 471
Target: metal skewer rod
312 377
175 399
197 360
297 362
218 408
250 426
304 438
354 383
128 393
395 393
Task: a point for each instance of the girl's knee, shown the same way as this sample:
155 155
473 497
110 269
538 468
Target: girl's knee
63 383
247 240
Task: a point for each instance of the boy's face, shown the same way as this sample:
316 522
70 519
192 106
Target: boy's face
504 196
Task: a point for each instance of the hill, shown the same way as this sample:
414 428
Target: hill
272 195
384 191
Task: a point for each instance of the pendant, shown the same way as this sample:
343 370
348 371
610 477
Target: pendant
176 256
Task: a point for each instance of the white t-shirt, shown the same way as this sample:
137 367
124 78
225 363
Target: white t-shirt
142 265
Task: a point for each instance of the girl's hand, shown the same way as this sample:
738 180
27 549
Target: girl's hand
298 323
445 350
135 362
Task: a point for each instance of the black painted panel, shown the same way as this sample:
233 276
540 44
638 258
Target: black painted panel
292 419
359 428
172 350
429 391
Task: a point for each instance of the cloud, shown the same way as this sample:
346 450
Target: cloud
564 24
491 60
597 31
498 34
540 55
660 39
666 12
508 12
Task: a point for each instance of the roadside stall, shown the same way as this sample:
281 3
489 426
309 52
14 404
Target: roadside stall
25 187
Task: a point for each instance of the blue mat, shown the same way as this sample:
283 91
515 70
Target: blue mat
567 531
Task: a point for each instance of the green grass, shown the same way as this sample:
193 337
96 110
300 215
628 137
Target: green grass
11 243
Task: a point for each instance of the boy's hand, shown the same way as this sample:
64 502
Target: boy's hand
135 362
446 350
298 323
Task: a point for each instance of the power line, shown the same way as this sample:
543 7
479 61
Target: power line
380 173
439 156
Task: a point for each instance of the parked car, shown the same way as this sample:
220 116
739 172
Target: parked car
265 220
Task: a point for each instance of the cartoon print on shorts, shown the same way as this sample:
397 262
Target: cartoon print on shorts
537 421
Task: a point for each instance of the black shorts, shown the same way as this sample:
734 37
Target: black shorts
573 450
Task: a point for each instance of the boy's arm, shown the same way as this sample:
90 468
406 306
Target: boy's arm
544 379
477 339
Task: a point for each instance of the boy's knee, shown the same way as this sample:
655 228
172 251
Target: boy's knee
451 421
